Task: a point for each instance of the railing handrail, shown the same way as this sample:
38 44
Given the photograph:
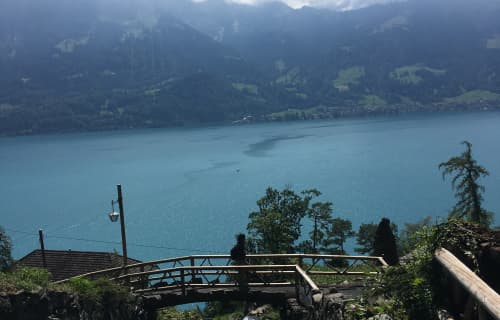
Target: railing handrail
479 289
154 263
201 268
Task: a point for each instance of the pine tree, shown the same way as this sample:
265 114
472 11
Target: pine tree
466 172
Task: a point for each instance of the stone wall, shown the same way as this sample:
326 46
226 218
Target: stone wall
47 304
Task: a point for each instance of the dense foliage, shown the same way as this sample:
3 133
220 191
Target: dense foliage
5 250
277 226
30 279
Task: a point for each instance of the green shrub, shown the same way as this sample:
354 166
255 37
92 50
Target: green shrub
30 279
174 314
102 291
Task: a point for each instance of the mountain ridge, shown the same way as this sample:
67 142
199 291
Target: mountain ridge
101 65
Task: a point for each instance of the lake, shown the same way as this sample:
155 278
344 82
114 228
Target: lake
189 191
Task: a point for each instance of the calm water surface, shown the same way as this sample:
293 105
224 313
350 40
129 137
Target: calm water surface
188 191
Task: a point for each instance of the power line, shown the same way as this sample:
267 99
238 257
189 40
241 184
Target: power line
112 242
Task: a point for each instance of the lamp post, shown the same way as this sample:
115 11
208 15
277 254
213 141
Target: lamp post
113 216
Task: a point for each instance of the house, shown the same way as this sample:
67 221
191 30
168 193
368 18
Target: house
64 264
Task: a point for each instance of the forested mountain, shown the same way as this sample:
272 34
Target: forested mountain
104 64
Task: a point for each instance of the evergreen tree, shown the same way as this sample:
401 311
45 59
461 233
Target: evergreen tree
365 238
5 250
336 235
385 243
321 215
468 192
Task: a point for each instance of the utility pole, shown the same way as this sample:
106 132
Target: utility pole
42 247
122 224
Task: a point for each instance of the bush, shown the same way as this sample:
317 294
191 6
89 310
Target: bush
5 250
102 291
30 279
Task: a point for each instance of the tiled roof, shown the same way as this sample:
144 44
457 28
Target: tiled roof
67 264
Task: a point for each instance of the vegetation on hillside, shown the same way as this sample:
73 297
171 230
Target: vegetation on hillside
171 66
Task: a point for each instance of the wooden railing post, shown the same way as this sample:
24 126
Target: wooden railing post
183 283
192 270
478 289
143 278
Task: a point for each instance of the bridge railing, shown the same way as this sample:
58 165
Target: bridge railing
182 280
312 264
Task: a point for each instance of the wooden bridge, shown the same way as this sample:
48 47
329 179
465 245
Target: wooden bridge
270 278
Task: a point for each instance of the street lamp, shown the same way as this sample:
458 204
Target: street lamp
113 216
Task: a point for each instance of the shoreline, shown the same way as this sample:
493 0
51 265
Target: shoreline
332 113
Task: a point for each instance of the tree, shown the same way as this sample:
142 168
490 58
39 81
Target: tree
466 172
408 238
337 234
365 238
385 242
5 250
321 215
277 224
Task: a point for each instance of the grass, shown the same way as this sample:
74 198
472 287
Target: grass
152 92
69 45
333 279
174 314
493 42
474 96
246 87
396 22
293 113
291 78
280 65
348 77
409 74
372 100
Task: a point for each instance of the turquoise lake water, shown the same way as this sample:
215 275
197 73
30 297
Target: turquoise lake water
189 191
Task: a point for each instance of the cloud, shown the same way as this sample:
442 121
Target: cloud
332 4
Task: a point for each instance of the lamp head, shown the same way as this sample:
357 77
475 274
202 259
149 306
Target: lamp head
113 216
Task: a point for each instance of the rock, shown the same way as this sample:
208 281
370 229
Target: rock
261 310
6 311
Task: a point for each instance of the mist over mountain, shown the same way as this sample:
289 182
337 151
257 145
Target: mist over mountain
106 64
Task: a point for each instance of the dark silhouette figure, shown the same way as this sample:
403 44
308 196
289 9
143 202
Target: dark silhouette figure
385 243
238 252
238 255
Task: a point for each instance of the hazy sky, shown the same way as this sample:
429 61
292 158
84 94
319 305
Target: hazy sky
336 4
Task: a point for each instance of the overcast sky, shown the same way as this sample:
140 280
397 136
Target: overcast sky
335 4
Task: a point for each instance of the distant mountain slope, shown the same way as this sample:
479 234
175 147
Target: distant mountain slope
105 64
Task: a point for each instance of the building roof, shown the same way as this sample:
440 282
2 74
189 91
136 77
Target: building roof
66 264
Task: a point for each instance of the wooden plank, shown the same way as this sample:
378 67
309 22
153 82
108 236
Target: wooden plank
482 293
218 285
275 267
337 273
308 280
